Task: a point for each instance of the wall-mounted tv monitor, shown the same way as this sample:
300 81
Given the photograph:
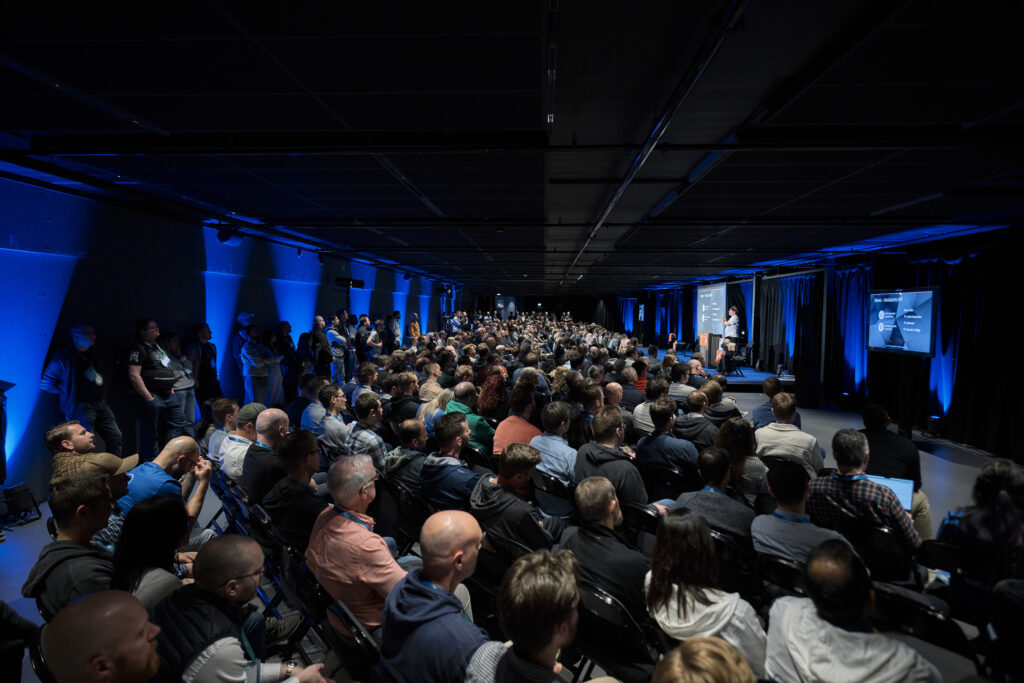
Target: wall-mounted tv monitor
902 321
710 309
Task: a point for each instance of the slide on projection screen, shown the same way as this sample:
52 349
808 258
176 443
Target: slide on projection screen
901 321
710 309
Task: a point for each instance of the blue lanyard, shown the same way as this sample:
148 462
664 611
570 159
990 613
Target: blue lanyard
349 515
792 518
238 439
712 488
260 443
848 477
428 584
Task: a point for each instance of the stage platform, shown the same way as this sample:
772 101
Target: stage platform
749 381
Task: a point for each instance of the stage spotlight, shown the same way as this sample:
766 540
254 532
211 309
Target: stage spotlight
229 237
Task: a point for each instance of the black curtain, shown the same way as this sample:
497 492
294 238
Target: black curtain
789 309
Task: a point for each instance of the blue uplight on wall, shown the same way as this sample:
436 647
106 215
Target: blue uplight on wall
295 287
35 286
221 294
359 299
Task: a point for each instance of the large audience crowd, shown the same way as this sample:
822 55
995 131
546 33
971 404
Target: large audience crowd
468 495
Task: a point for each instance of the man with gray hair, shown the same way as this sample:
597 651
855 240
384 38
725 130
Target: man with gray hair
847 493
352 562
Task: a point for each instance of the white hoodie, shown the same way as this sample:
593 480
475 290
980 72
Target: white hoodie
804 647
728 617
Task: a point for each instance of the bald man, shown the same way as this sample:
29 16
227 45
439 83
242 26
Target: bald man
177 471
103 637
426 637
207 632
261 468
481 434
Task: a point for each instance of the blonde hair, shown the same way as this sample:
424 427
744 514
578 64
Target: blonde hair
703 660
439 402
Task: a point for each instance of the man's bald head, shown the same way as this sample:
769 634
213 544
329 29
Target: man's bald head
838 582
449 538
102 637
224 558
465 393
612 394
179 456
272 425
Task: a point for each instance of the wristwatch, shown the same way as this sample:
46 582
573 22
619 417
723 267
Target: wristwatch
288 669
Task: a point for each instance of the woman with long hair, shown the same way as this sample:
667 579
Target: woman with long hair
748 475
681 590
493 399
431 411
144 556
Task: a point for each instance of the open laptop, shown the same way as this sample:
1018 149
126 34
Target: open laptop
903 488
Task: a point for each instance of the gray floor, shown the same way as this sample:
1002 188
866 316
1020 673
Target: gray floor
947 474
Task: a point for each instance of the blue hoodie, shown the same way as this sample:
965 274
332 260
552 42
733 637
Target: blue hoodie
425 635
446 483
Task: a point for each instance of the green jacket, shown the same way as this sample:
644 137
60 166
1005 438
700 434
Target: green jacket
481 434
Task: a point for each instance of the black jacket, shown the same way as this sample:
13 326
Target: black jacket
609 562
261 469
631 397
594 460
502 513
699 431
404 407
293 508
65 572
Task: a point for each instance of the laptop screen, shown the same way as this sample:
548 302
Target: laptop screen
903 488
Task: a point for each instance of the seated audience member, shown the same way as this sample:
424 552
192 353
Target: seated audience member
362 438
430 388
894 455
641 366
235 445
990 532
712 503
262 468
430 412
603 457
501 506
446 482
681 593
225 414
313 414
697 375
656 389
206 630
762 414
302 400
366 377
106 636
426 635
613 398
661 446
481 434
703 660
788 532
537 611
352 562
581 429
403 463
516 428
632 396
678 389
845 494
177 472
558 458
694 426
293 503
405 405
145 554
71 566
783 438
606 560
333 429
748 476
718 411
828 637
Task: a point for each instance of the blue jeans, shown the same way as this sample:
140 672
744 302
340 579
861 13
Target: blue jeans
187 400
160 419
98 418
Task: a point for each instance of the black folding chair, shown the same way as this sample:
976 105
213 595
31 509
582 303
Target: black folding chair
668 481
884 551
553 487
736 572
786 576
412 512
640 525
477 458
37 660
938 555
609 636
894 611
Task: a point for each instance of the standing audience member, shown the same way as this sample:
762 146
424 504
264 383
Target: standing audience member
202 353
152 377
72 375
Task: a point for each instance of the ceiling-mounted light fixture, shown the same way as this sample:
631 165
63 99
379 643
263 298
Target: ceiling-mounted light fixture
406 276
228 236
322 258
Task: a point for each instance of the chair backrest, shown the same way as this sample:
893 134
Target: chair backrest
551 485
608 633
36 658
938 555
780 572
474 456
884 552
897 612
362 643
668 481
736 572
782 462
412 511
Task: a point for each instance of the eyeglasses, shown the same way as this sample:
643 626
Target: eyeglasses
258 572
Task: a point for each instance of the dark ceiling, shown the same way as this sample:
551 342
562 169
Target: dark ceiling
517 146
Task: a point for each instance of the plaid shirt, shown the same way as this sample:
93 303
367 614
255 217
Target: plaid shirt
362 440
838 496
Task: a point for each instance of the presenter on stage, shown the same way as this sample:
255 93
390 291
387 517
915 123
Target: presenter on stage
732 323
